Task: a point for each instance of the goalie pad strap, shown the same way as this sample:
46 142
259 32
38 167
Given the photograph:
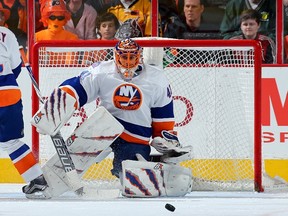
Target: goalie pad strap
149 179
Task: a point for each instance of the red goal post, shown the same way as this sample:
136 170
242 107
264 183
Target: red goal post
217 94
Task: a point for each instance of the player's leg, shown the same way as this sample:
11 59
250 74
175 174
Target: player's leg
11 130
142 178
127 151
150 179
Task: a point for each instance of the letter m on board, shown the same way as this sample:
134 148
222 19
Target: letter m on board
271 98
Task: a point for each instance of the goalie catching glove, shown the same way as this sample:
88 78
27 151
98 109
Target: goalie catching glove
170 147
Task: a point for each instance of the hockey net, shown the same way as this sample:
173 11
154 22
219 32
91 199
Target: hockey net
216 88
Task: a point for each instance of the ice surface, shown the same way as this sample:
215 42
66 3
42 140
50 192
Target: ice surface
13 202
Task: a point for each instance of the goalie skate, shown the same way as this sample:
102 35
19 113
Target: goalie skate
37 189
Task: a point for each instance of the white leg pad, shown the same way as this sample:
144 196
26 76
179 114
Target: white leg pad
83 161
90 142
87 145
55 176
149 179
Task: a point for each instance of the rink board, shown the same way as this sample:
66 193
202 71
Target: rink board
273 167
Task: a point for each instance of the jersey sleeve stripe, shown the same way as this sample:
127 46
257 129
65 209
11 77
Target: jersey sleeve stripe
72 93
8 80
136 129
159 126
133 139
163 112
74 83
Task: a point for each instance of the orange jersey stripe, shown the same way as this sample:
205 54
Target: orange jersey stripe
70 92
25 163
9 97
132 139
159 126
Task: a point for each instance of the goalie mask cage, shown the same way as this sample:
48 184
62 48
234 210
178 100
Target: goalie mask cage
216 90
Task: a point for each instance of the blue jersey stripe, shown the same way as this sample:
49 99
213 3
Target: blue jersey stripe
17 70
8 80
75 84
136 129
163 112
20 151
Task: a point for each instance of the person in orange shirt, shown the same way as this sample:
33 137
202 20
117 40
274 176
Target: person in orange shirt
54 16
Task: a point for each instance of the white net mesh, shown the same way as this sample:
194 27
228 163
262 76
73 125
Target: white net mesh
213 92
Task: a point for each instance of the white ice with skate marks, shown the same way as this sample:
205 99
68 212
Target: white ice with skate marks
13 202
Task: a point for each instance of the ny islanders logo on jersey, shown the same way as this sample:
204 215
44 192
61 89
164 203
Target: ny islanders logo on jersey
127 97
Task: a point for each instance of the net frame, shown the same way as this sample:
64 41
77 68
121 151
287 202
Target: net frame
170 43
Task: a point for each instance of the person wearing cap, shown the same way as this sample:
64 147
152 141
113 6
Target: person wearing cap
54 16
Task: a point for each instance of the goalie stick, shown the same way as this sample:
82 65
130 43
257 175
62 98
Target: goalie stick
58 141
28 67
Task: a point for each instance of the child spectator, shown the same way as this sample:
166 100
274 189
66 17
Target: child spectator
83 18
250 25
106 26
230 25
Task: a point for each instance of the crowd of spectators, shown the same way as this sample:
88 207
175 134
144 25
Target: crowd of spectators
182 19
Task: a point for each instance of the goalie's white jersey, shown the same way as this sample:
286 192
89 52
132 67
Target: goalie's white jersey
143 106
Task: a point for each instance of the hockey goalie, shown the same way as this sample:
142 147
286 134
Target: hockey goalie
136 113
